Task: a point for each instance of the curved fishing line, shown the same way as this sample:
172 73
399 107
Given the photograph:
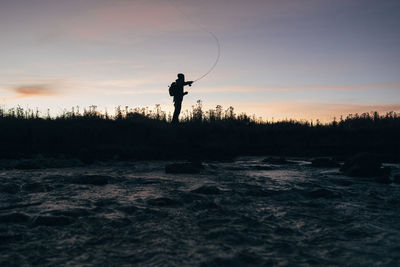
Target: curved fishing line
205 30
216 60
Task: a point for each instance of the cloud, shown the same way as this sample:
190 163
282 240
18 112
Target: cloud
129 18
32 90
357 87
106 20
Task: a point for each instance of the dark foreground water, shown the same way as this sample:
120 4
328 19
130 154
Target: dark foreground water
245 213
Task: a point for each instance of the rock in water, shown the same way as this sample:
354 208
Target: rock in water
34 187
48 220
187 168
324 163
383 180
91 179
322 193
396 179
261 168
207 190
74 213
14 217
128 209
9 188
29 164
363 165
277 161
163 202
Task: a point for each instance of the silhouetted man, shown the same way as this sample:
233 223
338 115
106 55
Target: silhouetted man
178 93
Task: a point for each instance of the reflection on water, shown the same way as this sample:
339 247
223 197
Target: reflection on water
244 213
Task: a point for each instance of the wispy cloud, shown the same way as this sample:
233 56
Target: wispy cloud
31 90
34 90
120 17
357 87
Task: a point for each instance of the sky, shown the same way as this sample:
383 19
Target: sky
300 59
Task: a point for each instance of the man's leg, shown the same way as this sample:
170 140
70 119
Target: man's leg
177 111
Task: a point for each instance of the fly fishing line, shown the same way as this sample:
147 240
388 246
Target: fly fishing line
206 31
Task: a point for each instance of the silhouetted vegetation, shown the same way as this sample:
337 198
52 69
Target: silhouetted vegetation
143 133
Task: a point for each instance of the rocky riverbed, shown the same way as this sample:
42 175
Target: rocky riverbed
244 213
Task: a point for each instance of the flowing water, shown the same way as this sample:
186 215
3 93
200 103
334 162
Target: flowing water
244 213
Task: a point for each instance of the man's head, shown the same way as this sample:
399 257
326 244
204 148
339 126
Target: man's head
181 76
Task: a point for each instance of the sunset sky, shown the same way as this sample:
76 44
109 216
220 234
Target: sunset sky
302 59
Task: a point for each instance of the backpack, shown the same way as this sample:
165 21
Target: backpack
172 89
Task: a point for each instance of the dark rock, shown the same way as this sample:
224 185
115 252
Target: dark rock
105 202
189 197
163 202
386 171
71 212
363 165
184 168
28 164
20 205
324 163
203 205
9 188
40 162
283 231
251 168
253 190
8 238
396 179
261 168
120 222
207 190
14 217
128 209
277 161
322 193
342 182
55 178
7 164
35 187
65 163
91 179
257 192
48 220
383 180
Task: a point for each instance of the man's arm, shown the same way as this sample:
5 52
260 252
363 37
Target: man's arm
188 83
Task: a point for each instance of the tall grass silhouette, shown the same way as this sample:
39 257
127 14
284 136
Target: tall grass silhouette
215 134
